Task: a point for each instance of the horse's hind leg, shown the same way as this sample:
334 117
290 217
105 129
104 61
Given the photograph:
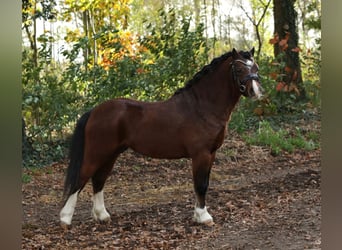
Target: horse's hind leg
69 207
68 210
201 167
98 174
99 211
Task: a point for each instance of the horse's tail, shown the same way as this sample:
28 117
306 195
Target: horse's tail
72 181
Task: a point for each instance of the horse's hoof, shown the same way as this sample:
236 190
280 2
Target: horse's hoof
65 226
65 222
105 221
209 223
202 216
102 216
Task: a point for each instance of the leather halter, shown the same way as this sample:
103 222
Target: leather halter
251 76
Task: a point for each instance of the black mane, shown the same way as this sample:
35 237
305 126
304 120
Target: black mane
210 68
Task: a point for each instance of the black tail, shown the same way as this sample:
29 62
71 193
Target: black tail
71 184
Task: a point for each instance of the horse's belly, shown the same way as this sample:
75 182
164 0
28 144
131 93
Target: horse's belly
160 147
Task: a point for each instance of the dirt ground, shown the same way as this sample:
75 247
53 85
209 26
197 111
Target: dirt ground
258 201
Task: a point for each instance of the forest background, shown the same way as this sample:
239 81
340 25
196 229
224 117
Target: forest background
76 54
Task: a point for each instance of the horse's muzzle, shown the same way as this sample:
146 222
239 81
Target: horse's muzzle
256 89
250 86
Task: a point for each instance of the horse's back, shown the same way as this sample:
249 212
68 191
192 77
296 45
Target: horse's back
166 129
151 128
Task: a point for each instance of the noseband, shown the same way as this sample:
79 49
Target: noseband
242 83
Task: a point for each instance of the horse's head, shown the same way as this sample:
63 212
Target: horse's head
245 73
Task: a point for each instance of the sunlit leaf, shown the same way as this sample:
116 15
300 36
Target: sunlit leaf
280 86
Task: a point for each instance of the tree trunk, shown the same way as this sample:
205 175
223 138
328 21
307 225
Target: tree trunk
213 23
86 51
26 145
32 35
197 6
286 34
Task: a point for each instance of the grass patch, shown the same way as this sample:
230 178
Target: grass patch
26 178
281 139
242 120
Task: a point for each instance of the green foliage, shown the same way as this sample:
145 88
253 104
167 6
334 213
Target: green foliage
38 9
311 69
242 118
276 101
279 140
313 21
173 54
26 178
46 101
177 52
48 105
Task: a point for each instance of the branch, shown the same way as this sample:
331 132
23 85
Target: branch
256 24
29 35
262 3
250 19
264 13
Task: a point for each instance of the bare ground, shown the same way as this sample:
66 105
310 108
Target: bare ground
258 201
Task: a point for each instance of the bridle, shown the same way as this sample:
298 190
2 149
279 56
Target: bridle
251 76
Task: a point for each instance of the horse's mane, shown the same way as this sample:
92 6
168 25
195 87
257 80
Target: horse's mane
210 68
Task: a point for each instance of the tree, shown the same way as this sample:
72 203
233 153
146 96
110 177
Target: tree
286 45
257 19
32 10
101 21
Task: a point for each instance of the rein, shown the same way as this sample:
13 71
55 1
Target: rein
242 83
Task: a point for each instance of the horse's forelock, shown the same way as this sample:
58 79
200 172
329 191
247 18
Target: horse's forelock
246 54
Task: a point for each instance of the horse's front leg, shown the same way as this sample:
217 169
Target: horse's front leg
201 166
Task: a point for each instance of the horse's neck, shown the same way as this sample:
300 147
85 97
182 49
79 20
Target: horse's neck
216 94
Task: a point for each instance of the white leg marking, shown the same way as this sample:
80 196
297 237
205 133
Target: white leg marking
68 209
99 211
256 89
201 215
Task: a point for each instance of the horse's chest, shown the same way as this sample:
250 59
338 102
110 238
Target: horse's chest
218 139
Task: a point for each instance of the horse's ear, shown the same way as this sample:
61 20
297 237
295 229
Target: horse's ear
252 52
235 54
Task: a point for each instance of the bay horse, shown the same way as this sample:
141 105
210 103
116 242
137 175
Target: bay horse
190 124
